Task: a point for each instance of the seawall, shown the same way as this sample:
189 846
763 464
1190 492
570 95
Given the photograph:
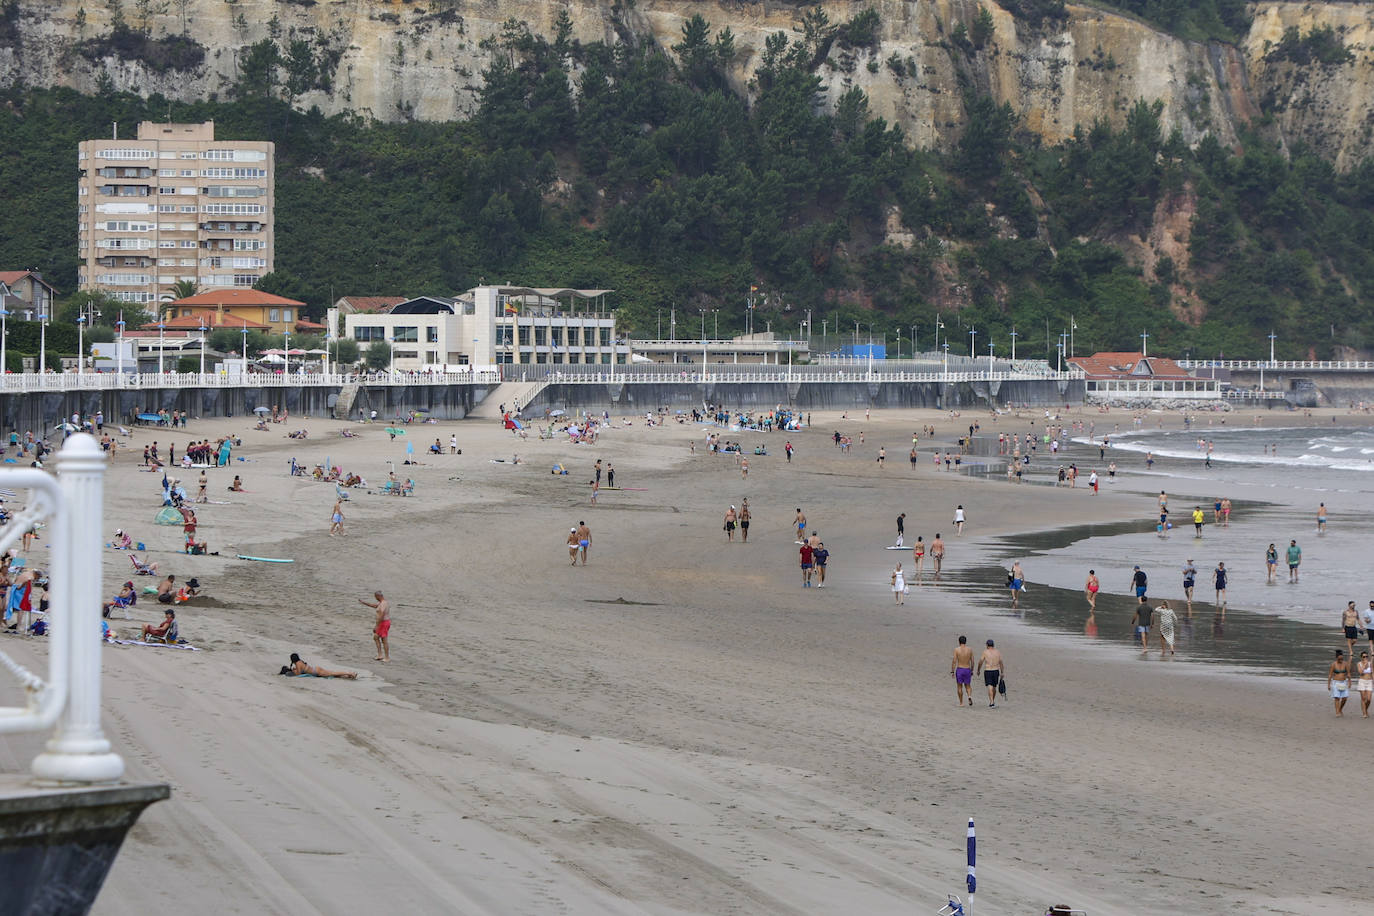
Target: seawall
636 397
40 411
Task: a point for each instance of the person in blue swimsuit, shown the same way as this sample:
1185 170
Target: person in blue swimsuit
1219 581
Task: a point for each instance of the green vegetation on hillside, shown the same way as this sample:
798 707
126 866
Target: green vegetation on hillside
1199 20
647 174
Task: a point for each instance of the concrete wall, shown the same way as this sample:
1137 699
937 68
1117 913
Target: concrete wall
38 412
633 397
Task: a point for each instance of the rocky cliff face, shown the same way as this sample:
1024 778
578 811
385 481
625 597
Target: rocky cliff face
396 59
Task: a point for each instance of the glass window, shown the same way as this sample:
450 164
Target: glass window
573 336
524 335
431 334
605 337
540 336
274 315
286 315
367 332
406 334
556 336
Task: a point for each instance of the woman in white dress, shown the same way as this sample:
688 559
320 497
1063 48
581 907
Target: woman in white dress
899 585
1165 621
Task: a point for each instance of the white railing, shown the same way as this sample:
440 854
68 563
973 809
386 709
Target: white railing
77 751
799 375
1247 394
103 381
1329 365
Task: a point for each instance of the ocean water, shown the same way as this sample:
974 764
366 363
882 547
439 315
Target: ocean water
1276 477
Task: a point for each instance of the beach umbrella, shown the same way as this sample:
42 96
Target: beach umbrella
557 413
149 417
972 879
262 410
65 427
410 448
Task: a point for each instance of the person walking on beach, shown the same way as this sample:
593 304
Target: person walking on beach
1226 512
336 519
381 629
1141 621
1271 562
597 468
1294 560
1138 582
1368 615
730 518
808 560
788 449
1090 588
899 584
1198 518
1189 579
1350 623
882 457
1219 583
1165 621
800 523
1321 523
584 540
959 520
1111 472
918 560
992 667
901 529
937 554
573 549
1338 682
610 475
744 468
1016 582
203 496
1364 683
961 669
820 556
744 521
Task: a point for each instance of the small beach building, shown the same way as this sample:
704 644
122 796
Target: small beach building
1115 377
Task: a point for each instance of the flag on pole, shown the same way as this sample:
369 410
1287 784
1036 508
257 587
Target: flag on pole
972 855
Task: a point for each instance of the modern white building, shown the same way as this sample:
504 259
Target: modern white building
490 325
173 204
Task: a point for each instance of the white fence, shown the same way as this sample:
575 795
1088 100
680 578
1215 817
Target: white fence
1318 365
70 696
797 375
107 381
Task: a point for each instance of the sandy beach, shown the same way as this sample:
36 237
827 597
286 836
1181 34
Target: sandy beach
679 726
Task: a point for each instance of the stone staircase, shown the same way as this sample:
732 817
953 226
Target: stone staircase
508 393
347 395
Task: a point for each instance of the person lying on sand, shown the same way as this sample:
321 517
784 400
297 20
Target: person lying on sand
300 666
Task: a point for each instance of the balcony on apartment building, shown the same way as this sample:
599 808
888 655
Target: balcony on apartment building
124 261
124 172
125 190
223 226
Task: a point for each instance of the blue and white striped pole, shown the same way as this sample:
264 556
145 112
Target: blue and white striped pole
972 879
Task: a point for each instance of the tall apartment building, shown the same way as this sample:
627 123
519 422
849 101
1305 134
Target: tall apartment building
174 204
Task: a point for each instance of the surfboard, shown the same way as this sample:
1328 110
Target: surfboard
895 547
264 559
629 489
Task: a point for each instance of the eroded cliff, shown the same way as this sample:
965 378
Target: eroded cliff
424 59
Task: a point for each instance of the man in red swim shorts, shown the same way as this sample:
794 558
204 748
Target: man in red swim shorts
382 628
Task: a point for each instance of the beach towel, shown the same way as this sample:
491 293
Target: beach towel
155 645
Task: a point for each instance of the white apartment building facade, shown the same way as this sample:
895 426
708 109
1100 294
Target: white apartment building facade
174 204
493 325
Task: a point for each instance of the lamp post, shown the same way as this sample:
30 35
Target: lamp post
1059 355
1144 344
1073 326
286 353
119 348
946 372
1013 344
1063 348
913 341
4 335
244 354
1272 338
972 336
203 329
43 341
160 338
990 346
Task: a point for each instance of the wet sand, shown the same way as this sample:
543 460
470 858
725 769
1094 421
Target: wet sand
721 740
